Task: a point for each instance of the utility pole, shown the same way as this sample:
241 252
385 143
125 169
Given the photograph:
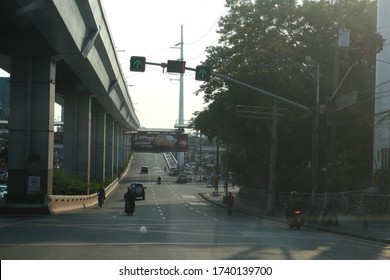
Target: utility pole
314 210
266 113
227 171
328 216
272 162
216 169
181 96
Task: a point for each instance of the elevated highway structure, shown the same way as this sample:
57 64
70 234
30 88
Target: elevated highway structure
63 51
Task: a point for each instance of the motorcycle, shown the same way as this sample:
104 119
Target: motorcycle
295 218
100 201
129 207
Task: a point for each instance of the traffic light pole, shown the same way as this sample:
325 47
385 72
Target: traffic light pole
264 92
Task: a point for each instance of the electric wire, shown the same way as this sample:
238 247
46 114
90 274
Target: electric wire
209 29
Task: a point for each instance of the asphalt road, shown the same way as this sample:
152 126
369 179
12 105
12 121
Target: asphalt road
172 223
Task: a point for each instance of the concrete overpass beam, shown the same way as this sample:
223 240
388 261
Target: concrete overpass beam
31 124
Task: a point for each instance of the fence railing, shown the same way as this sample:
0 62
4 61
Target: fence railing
350 203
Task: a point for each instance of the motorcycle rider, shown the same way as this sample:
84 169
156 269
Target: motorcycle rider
229 203
101 195
130 199
294 203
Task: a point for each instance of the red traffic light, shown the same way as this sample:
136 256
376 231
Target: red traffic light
176 66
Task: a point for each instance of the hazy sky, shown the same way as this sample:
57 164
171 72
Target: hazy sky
151 28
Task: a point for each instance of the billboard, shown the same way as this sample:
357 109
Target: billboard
159 141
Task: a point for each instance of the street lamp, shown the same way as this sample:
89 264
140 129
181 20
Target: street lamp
314 211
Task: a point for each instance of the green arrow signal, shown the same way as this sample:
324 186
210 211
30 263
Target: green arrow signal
202 73
137 63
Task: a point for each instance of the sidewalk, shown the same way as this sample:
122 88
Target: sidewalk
378 231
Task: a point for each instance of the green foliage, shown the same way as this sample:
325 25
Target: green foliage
64 184
291 31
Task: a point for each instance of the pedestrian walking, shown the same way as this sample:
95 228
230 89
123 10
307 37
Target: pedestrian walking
229 203
363 210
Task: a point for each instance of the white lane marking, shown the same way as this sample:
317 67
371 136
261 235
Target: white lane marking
189 196
128 243
197 203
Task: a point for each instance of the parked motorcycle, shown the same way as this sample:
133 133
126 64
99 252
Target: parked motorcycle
294 217
129 207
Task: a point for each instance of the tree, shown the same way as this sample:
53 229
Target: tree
248 34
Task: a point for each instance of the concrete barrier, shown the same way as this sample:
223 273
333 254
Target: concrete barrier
65 203
57 204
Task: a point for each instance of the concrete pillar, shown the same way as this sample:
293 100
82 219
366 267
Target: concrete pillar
121 155
115 146
109 146
126 146
31 124
77 135
98 154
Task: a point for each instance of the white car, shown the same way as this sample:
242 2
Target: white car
3 191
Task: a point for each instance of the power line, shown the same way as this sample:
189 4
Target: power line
208 30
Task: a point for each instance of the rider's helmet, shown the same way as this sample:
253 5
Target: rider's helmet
293 194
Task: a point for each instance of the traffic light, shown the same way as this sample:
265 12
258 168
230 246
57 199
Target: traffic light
176 66
137 63
202 73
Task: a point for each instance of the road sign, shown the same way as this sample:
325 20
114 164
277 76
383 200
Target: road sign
202 73
137 63
176 66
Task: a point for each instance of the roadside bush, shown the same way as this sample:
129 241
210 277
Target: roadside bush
64 184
